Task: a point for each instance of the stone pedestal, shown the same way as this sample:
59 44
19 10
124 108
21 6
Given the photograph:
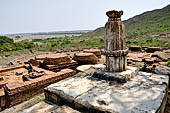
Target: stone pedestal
119 77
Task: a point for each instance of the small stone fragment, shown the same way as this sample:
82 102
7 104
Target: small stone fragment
163 70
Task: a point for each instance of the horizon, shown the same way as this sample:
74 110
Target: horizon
14 20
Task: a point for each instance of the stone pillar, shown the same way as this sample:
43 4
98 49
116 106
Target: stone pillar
114 43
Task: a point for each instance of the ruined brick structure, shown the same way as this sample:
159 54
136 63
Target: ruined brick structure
114 42
54 61
14 90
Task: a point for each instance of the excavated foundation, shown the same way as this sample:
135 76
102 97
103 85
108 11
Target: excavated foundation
14 90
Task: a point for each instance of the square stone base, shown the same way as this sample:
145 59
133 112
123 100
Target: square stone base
145 93
120 77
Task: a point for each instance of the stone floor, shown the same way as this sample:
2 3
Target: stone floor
144 93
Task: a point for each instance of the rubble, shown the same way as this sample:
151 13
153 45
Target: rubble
85 58
72 65
163 63
35 62
138 57
152 49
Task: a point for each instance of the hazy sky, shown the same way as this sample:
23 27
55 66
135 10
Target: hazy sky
18 16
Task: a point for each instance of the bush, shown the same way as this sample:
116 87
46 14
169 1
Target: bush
168 64
5 39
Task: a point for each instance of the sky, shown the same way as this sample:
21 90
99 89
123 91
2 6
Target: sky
25 16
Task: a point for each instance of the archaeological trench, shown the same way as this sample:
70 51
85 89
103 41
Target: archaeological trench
104 80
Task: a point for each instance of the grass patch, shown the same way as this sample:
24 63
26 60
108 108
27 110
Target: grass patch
33 101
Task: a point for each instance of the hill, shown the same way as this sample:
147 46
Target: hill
151 24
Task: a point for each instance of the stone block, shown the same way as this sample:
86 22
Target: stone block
146 92
72 65
162 70
97 52
85 58
120 77
56 59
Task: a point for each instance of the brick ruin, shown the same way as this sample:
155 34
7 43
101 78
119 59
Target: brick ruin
15 90
20 83
53 62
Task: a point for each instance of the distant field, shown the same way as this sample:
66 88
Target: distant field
30 37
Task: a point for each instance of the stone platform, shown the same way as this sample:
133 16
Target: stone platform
145 93
120 77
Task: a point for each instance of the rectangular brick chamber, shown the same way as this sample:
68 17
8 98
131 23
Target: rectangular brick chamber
13 90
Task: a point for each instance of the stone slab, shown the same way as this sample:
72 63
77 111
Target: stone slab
84 68
120 77
97 52
145 93
85 58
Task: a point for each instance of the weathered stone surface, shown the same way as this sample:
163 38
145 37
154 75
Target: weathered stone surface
144 93
163 63
85 58
65 109
162 70
120 77
114 42
114 14
97 52
83 68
